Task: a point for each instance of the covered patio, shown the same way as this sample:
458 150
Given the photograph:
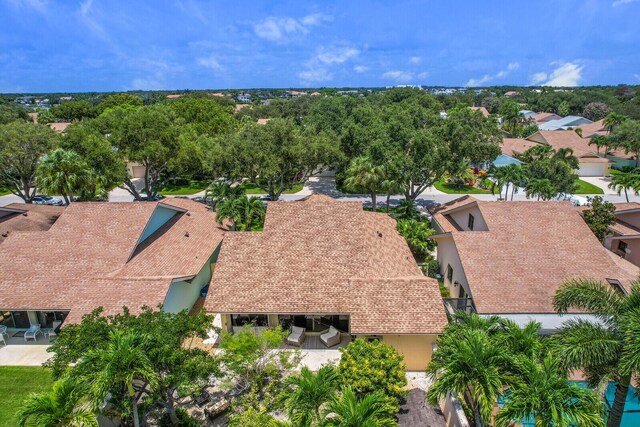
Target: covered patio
18 352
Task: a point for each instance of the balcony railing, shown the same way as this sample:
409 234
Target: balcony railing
455 304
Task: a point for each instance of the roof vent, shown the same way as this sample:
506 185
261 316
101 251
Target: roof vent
379 234
186 234
188 213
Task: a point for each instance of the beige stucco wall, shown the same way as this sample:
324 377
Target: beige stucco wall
448 254
416 349
461 218
632 218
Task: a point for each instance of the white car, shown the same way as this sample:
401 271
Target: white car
47 200
579 200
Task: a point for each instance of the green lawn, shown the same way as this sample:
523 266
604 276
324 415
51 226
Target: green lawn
586 188
251 188
16 383
183 189
4 191
467 189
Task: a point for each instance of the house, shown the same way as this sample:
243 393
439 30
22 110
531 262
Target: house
589 130
108 255
18 217
510 258
59 127
244 98
623 237
174 96
511 148
544 117
320 263
136 170
511 94
528 114
591 163
564 123
483 110
263 121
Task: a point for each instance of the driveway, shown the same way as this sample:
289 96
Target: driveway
600 181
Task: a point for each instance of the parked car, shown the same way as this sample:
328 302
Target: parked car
145 198
204 200
47 200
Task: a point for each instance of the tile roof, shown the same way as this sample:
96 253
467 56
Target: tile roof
570 139
59 127
87 258
514 146
591 129
19 217
529 250
545 117
319 255
483 110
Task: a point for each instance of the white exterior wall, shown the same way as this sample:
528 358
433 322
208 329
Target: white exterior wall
593 169
448 255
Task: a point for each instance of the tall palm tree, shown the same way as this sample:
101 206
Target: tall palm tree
309 393
64 406
363 175
372 410
623 181
513 175
566 155
612 120
245 212
599 141
219 191
116 369
607 348
540 188
63 172
540 391
469 363
392 186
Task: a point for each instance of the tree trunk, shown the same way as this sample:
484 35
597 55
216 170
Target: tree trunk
136 421
617 407
513 190
388 197
373 200
171 408
626 195
66 199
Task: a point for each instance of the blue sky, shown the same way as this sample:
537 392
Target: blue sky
113 45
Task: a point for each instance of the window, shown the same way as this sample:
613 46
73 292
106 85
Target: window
449 273
249 319
622 246
470 222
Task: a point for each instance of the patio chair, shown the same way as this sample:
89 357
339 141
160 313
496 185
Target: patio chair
296 337
3 332
32 332
331 337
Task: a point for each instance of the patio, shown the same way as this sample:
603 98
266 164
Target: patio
312 342
19 352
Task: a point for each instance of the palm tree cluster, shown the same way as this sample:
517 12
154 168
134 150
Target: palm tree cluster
230 203
623 181
491 360
364 175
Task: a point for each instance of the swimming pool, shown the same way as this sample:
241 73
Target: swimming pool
631 415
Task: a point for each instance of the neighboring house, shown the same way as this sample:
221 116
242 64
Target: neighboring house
510 258
623 237
59 127
528 114
511 148
263 121
544 117
483 110
619 158
511 94
589 130
174 96
135 170
591 163
320 263
18 217
108 255
244 98
564 123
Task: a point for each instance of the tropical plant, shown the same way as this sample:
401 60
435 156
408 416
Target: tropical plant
112 371
309 392
599 141
366 177
417 234
221 190
600 216
407 209
606 348
612 120
563 108
391 186
627 137
566 155
505 176
350 410
64 172
623 181
541 392
246 213
540 188
368 367
64 406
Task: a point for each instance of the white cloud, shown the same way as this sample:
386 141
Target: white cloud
490 77
210 62
538 78
423 75
280 29
37 5
415 60
637 76
621 2
566 74
360 69
315 75
87 16
336 55
400 76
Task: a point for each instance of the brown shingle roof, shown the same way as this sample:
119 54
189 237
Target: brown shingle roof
483 110
59 127
545 117
591 129
18 217
570 139
530 249
87 259
318 256
514 146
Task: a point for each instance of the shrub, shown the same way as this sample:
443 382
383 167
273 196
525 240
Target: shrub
185 419
370 366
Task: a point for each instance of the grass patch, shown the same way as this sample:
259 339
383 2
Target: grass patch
585 187
4 191
183 188
251 188
16 383
465 189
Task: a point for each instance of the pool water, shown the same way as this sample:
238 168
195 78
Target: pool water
631 415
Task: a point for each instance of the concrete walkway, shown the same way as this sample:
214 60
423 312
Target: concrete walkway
19 352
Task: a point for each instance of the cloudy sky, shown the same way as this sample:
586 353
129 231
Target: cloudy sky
104 45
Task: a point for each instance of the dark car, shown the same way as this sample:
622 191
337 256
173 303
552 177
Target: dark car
145 198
